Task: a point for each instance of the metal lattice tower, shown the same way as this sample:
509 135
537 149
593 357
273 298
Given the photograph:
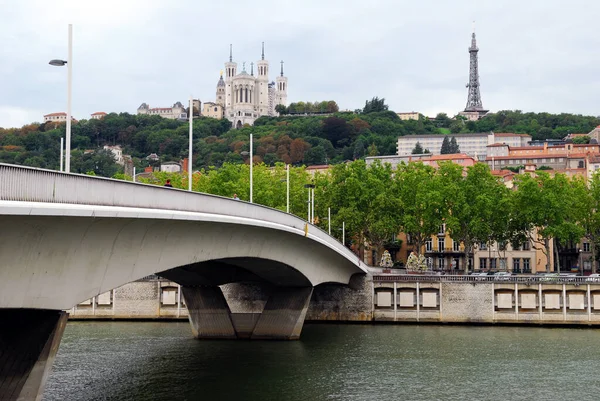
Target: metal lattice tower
474 99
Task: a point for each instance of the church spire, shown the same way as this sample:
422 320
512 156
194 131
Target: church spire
230 52
263 51
282 68
252 69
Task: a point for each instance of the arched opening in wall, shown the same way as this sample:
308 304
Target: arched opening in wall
239 124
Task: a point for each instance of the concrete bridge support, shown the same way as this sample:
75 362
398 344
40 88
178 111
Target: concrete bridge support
279 317
29 340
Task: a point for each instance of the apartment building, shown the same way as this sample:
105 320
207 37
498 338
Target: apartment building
474 145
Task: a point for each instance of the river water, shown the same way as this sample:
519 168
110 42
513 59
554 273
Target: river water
161 361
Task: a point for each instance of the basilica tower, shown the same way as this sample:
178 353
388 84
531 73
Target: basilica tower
262 83
281 94
221 95
230 72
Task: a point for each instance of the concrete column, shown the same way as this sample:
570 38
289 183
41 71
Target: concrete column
208 312
29 340
283 315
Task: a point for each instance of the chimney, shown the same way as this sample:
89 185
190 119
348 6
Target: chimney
184 164
148 169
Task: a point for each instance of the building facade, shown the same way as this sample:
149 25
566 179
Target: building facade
98 115
411 115
246 97
213 110
475 145
177 111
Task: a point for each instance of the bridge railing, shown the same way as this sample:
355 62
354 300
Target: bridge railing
27 184
428 278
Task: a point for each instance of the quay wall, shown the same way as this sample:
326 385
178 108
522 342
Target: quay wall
380 298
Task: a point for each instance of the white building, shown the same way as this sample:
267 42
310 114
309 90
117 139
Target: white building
60 117
173 113
247 97
117 152
471 144
170 167
98 115
411 115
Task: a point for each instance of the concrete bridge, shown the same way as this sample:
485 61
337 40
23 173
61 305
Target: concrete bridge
65 238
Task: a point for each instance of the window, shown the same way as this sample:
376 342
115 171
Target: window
516 265
526 246
586 247
441 263
502 263
526 266
442 229
456 246
483 246
441 244
482 263
428 245
502 245
493 263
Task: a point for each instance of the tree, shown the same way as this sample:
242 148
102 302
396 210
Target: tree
581 139
541 210
454 148
281 109
360 196
476 204
375 105
445 149
418 150
419 200
442 120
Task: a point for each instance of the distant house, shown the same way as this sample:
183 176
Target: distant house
153 157
59 117
170 167
98 115
213 110
177 111
411 115
117 152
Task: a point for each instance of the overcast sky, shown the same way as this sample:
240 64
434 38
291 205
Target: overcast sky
535 55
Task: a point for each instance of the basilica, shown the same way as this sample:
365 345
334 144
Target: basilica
244 96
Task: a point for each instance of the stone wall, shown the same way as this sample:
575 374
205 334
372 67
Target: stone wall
334 302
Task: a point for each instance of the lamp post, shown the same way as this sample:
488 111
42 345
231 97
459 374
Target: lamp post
190 145
287 179
69 63
580 261
62 146
309 187
251 163
329 219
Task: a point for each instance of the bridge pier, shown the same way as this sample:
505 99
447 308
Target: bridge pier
277 314
29 340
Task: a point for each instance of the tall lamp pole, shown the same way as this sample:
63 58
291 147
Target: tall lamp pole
62 147
251 163
69 63
190 145
287 179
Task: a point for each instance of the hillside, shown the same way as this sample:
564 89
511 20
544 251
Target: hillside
297 140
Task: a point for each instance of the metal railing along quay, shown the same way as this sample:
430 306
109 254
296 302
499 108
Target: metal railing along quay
539 279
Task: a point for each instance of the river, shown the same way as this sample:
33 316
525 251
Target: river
161 361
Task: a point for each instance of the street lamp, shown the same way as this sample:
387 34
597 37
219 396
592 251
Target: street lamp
190 145
309 187
287 181
69 63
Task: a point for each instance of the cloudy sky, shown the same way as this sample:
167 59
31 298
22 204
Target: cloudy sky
535 55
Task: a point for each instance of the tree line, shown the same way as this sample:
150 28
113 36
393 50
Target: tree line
376 202
306 140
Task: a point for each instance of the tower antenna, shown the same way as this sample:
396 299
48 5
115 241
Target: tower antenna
474 104
282 68
230 52
263 50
